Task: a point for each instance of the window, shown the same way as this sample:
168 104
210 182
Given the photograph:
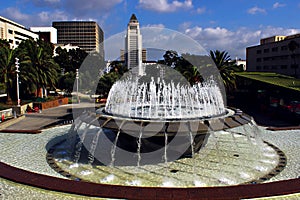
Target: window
274 49
294 66
284 48
266 50
274 67
10 31
258 59
283 66
11 41
258 52
258 67
266 67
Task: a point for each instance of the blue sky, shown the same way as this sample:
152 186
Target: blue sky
230 25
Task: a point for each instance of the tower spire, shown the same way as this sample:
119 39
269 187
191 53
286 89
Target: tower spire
133 19
133 47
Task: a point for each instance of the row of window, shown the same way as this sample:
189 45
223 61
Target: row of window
82 31
76 39
12 42
68 26
266 67
274 49
277 58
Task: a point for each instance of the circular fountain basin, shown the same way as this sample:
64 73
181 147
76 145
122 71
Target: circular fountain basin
232 159
154 132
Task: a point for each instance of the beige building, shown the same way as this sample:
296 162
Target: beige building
144 55
279 54
14 33
275 38
86 34
48 34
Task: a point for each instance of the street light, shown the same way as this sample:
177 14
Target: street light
17 70
77 78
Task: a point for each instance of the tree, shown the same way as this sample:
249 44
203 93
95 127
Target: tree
171 58
66 81
105 83
68 62
183 65
7 68
226 68
38 65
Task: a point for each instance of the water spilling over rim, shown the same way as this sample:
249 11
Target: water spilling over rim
248 161
161 100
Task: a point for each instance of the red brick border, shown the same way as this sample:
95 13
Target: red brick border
130 192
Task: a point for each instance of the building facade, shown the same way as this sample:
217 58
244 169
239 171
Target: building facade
14 33
279 54
133 47
48 34
123 56
86 34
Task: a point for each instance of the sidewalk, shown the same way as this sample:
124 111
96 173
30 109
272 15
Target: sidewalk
34 122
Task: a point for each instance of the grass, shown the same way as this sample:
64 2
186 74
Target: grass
273 78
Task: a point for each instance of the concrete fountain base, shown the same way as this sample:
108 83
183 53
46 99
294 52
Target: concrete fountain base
154 131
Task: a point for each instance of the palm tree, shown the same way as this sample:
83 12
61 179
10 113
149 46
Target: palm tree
192 75
7 69
226 68
39 66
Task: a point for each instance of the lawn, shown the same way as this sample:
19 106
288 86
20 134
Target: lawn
273 78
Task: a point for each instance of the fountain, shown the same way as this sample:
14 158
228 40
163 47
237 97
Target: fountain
180 134
155 139
160 131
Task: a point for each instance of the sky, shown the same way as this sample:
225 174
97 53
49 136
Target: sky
226 25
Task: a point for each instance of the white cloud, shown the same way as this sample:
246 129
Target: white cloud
185 25
154 26
43 18
91 7
201 10
46 17
62 10
165 5
278 5
15 14
256 10
47 3
235 42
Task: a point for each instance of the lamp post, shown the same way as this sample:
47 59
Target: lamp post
17 70
77 78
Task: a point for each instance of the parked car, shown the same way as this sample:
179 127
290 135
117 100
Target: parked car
293 106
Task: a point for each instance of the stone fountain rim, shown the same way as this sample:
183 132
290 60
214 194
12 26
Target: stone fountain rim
103 113
234 118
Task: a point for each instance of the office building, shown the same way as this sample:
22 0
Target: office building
279 54
14 33
85 34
